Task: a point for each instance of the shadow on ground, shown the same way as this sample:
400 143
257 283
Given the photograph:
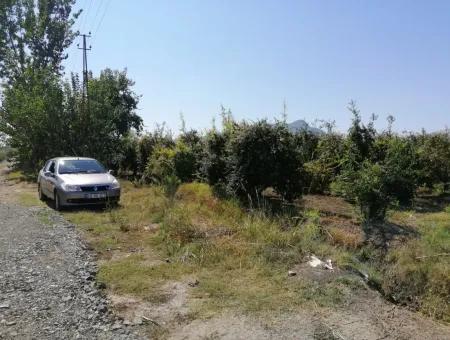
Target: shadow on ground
100 208
431 203
384 234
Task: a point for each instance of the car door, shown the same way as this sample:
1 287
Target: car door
51 179
45 181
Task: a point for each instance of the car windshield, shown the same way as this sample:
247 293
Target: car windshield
77 166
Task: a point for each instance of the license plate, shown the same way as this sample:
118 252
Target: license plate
96 196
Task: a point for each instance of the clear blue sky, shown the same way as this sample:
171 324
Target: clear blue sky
392 57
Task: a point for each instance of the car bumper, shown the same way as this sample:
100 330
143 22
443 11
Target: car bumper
91 198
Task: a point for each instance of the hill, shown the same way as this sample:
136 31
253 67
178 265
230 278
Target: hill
300 125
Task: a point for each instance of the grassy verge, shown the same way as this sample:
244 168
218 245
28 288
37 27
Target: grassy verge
29 199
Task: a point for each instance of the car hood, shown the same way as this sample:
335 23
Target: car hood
87 179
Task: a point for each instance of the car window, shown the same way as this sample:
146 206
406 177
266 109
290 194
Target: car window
76 166
51 167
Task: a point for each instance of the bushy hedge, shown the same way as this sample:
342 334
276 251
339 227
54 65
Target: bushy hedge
214 161
325 164
179 160
242 159
434 158
262 155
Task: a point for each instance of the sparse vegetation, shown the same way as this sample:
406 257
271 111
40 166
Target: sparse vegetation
417 272
207 238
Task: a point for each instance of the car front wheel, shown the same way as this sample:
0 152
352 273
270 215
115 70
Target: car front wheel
58 205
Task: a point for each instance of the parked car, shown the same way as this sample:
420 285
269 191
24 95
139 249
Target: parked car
71 181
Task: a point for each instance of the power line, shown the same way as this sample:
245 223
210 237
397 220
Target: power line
84 22
73 55
78 27
96 13
103 16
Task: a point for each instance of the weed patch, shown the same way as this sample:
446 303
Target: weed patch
418 272
241 258
44 217
134 275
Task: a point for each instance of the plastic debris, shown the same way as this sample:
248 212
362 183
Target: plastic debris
316 262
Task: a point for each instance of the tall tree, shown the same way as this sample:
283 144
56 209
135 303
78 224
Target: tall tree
98 130
32 116
34 34
43 117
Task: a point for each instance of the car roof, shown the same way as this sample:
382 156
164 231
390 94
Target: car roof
72 158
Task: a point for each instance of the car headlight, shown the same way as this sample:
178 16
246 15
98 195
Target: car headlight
69 187
115 184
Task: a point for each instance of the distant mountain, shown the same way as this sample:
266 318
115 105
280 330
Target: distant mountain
301 125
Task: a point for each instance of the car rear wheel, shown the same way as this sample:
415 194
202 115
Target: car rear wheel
40 193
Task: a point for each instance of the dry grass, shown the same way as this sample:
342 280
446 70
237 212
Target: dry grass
17 188
208 239
329 205
418 271
338 218
151 240
122 228
346 238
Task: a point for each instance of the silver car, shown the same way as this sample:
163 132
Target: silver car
73 181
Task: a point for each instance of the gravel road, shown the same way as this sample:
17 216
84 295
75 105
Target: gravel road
47 286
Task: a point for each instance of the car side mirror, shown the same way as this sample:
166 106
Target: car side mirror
48 174
111 172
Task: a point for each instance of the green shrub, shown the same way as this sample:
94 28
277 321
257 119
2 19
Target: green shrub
148 142
360 138
367 187
185 162
434 158
400 170
170 186
323 169
377 170
180 161
160 165
262 155
213 166
129 155
145 148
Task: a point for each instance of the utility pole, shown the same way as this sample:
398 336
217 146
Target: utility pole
85 109
85 67
284 114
